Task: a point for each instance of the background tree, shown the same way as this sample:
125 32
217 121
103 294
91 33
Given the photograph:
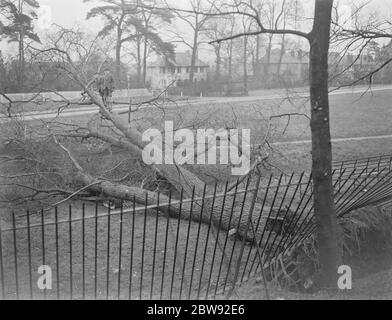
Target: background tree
217 28
119 18
134 21
154 17
17 25
197 23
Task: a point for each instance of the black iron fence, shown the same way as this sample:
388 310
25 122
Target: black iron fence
196 247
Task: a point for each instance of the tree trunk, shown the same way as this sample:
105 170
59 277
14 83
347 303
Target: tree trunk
218 61
118 59
281 55
225 214
245 65
267 63
282 47
118 50
139 60
145 61
230 76
256 65
194 56
21 70
326 222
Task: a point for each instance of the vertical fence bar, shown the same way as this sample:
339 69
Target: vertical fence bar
176 244
197 242
108 253
43 243
120 251
15 255
70 252
143 248
132 246
165 250
155 248
56 231
83 252
130 111
187 241
1 265
29 255
389 163
96 252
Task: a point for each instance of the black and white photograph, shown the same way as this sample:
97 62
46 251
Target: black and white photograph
209 151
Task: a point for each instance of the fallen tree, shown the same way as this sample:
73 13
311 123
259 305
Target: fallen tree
228 213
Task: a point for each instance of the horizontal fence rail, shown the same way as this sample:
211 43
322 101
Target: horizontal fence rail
188 247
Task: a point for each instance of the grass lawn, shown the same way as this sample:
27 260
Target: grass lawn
351 116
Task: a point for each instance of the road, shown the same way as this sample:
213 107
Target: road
337 140
254 96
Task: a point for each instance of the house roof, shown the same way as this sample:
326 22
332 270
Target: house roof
336 59
182 59
286 58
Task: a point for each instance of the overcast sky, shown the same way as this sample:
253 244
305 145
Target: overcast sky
69 13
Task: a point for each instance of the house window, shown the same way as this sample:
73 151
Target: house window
163 70
179 70
187 69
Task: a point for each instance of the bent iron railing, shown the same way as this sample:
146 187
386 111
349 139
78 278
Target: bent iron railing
137 252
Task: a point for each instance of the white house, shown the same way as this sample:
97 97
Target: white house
163 73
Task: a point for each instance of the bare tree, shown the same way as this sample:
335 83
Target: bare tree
18 27
154 17
197 22
217 28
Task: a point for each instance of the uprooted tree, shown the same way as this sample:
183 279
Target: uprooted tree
108 127
113 129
